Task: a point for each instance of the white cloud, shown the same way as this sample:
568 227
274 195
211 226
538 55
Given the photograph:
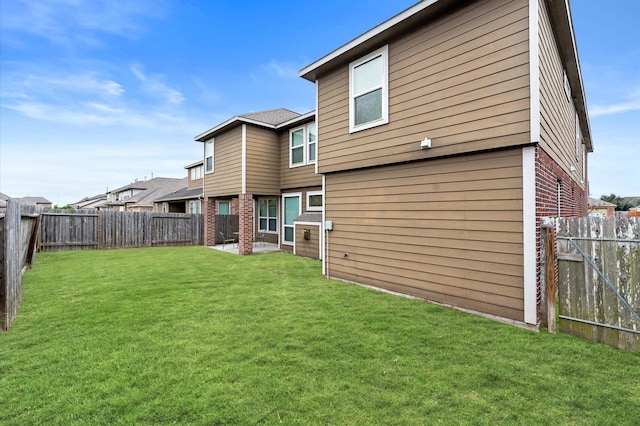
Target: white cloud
153 84
599 110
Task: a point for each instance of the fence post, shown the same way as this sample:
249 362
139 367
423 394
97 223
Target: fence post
550 264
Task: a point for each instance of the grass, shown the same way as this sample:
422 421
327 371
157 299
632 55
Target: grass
195 336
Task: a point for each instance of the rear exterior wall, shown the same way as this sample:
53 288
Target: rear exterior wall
462 80
447 230
226 178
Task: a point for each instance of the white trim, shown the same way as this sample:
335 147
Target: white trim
534 72
244 158
529 233
304 146
383 53
315 208
325 264
364 37
283 227
277 218
317 131
213 156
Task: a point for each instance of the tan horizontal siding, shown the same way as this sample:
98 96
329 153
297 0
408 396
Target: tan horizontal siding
263 161
292 177
448 230
227 176
463 81
557 113
307 248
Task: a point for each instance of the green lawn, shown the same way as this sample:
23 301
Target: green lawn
196 336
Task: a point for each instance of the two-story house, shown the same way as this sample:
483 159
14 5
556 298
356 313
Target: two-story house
443 135
188 199
261 166
140 194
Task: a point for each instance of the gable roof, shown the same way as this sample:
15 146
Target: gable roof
271 119
600 203
181 194
428 10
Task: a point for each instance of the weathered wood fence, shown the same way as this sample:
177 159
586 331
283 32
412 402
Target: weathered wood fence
18 239
227 224
82 230
598 273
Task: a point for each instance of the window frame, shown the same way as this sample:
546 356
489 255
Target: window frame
311 208
305 145
284 225
211 143
567 85
198 207
382 52
268 217
226 202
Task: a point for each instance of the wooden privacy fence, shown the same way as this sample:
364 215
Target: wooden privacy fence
598 273
227 224
18 238
81 230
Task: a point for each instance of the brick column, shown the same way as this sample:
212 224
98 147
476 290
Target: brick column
209 222
245 213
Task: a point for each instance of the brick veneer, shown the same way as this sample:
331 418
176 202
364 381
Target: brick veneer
573 202
209 222
245 213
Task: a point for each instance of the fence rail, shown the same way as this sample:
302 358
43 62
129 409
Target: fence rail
85 230
599 279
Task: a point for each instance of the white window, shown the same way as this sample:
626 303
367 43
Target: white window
291 209
196 173
165 207
567 86
369 91
268 214
195 207
224 207
314 201
302 145
208 156
578 137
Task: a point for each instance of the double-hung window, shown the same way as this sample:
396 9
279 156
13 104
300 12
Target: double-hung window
369 91
302 145
208 156
268 214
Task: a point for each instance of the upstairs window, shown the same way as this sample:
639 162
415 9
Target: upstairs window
302 145
196 173
208 156
567 86
368 91
578 137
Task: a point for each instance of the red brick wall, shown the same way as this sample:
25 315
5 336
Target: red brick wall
209 221
573 201
245 216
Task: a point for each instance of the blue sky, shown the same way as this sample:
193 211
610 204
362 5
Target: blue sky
97 93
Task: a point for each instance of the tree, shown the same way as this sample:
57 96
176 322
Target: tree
621 204
67 207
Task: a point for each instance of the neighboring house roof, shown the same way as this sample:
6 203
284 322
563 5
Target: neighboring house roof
157 188
272 119
182 194
35 201
600 203
197 163
428 10
3 200
90 202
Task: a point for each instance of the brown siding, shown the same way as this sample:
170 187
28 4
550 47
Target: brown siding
448 230
463 81
296 176
557 113
263 155
307 248
227 176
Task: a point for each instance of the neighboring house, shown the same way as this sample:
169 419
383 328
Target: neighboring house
601 208
185 200
35 201
140 195
90 203
261 166
444 135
